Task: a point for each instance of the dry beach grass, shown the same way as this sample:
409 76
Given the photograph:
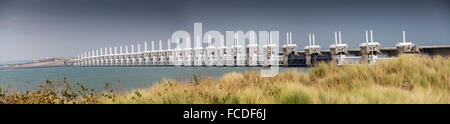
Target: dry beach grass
407 79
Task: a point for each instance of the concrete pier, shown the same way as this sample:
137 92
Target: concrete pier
289 50
369 49
312 51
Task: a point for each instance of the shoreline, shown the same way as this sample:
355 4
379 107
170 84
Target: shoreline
34 65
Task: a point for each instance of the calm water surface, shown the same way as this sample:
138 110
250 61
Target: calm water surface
122 77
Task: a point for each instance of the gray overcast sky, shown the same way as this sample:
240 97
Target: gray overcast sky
60 28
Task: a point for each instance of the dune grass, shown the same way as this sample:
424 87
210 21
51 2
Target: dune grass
406 79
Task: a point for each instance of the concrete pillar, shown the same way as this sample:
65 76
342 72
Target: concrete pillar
166 57
266 56
337 51
308 54
288 53
247 57
406 50
311 54
334 55
365 50
416 49
235 50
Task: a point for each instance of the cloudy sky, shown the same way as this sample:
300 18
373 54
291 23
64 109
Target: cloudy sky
32 29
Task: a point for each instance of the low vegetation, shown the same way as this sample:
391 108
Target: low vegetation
406 79
57 92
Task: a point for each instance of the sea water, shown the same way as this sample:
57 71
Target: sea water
120 77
